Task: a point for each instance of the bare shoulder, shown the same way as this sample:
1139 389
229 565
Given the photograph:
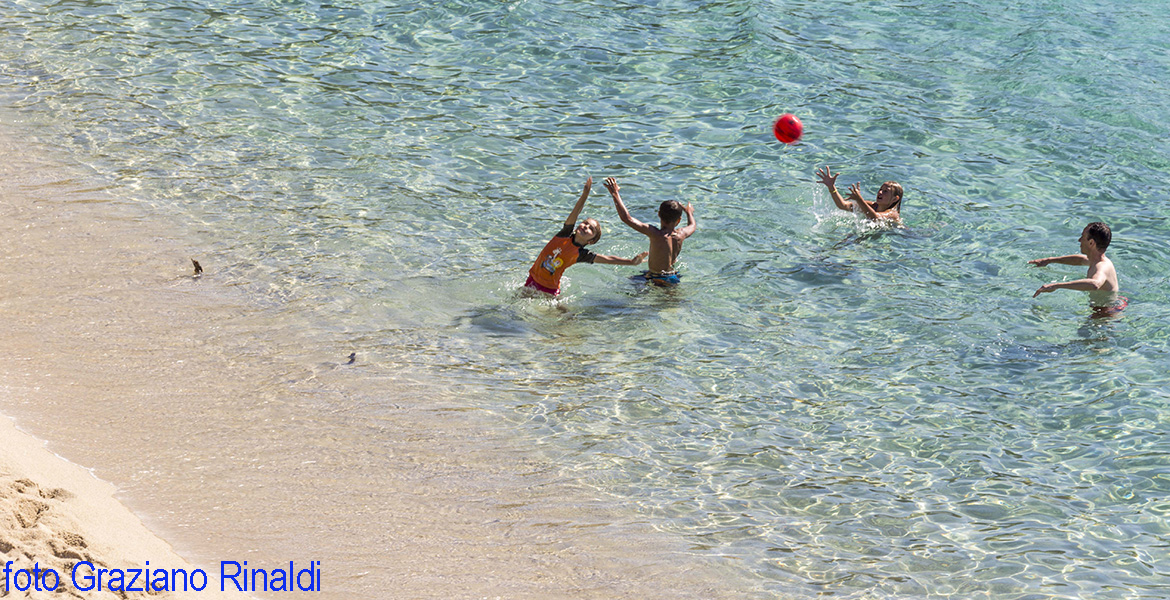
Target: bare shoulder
1110 269
1104 269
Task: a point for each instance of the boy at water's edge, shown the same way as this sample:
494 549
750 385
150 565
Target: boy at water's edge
665 240
567 248
1101 280
886 206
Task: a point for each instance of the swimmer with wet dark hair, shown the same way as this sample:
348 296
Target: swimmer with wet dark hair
665 240
1100 281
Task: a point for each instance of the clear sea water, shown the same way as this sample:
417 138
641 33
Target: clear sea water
836 410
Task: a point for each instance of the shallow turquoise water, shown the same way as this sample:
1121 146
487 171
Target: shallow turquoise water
845 412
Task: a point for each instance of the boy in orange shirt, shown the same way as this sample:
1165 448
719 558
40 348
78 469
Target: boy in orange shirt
567 248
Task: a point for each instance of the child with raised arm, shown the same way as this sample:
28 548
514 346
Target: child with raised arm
567 248
1100 281
665 240
887 205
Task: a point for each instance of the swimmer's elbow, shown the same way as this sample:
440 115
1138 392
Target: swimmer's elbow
1096 285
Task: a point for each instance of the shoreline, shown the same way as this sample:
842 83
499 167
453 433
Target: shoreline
56 518
230 440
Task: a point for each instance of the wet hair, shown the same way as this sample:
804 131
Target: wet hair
1100 234
670 211
596 238
897 187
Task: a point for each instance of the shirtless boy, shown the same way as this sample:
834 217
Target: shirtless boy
665 240
1101 280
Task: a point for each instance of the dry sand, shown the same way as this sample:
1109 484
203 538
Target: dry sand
54 515
129 366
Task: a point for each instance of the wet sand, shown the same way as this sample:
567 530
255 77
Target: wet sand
232 434
57 520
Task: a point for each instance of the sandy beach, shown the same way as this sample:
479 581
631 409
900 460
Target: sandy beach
827 406
56 515
60 521
129 366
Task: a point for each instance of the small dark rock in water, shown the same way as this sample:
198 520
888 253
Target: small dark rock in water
198 269
352 358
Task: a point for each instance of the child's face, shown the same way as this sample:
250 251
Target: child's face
887 196
586 232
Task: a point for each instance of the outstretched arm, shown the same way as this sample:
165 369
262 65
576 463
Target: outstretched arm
1071 259
623 214
1089 284
572 220
830 181
606 259
855 196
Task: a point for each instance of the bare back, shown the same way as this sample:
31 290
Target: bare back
664 249
665 241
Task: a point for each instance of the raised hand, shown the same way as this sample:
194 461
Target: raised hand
855 192
827 178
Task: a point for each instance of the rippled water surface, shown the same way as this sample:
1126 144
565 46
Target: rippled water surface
842 411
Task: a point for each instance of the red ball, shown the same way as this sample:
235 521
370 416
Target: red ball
788 128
